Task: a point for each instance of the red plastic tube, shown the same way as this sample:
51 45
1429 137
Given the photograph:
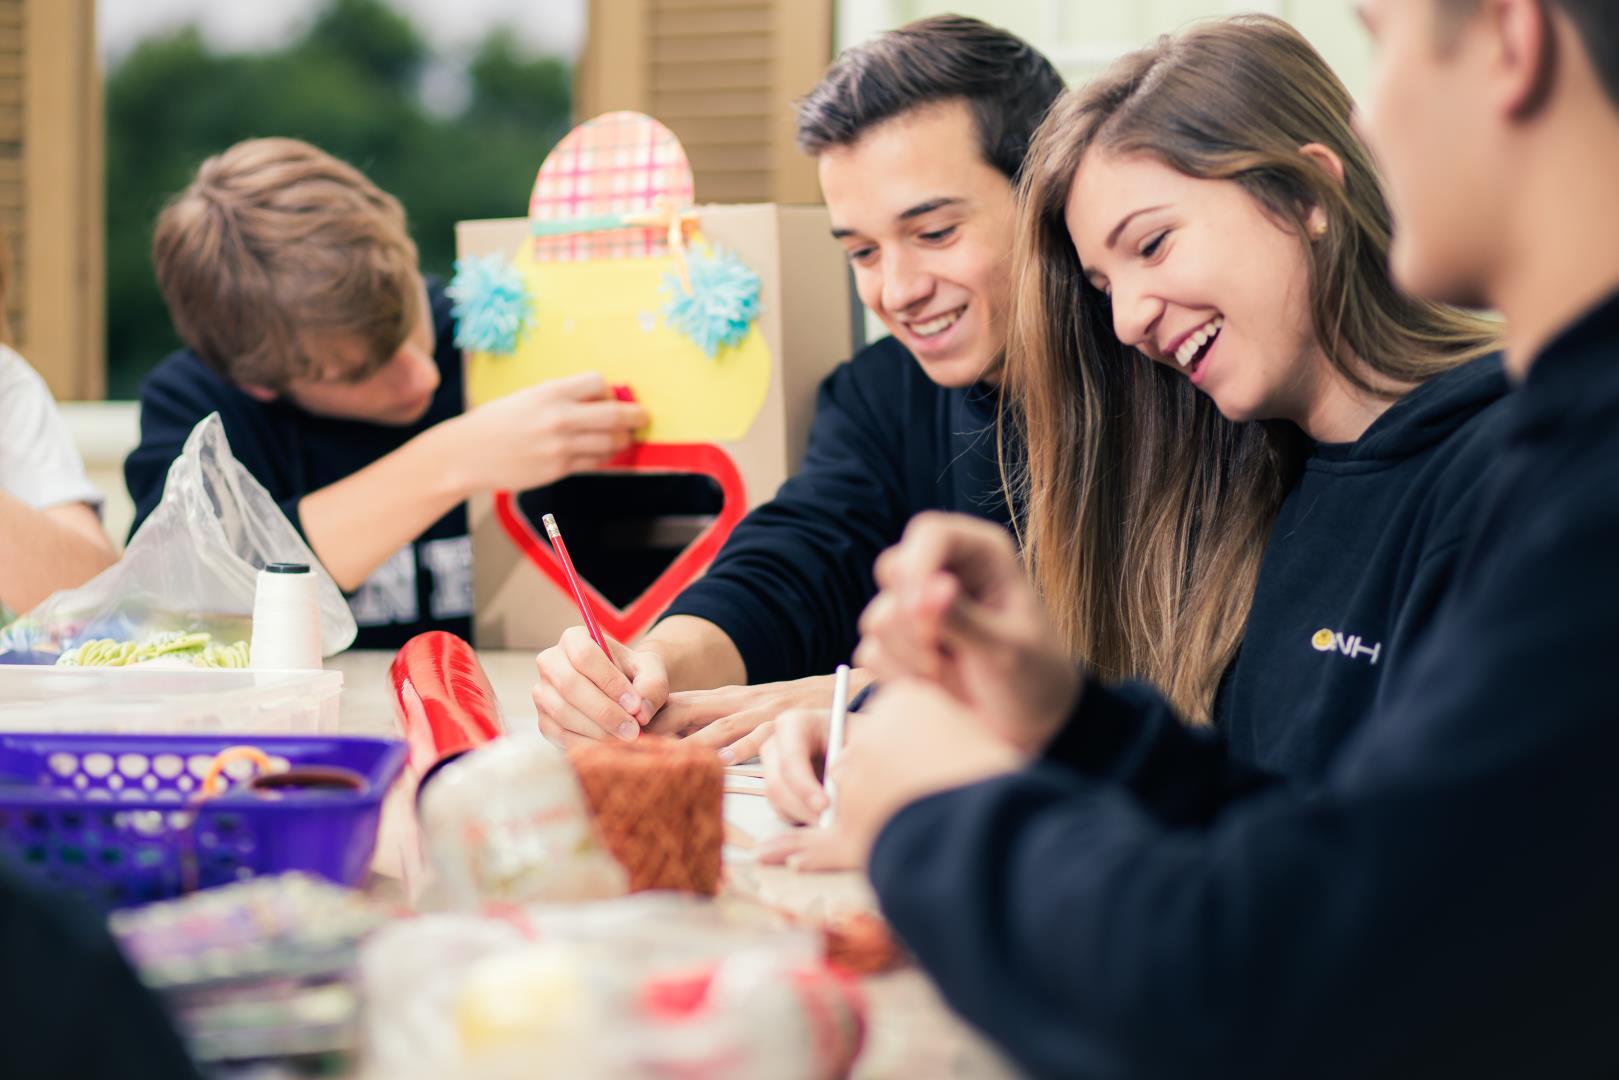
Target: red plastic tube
443 701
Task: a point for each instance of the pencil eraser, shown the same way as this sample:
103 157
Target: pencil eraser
622 392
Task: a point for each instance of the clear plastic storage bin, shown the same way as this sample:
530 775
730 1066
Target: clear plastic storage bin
151 700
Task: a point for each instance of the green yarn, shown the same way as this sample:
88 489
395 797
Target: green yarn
198 648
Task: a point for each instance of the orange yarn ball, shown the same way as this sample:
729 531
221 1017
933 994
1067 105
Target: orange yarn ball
862 944
657 804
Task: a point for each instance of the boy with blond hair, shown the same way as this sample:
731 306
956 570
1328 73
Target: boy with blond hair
294 284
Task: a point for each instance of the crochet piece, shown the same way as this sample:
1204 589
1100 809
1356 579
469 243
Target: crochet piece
722 304
491 304
657 803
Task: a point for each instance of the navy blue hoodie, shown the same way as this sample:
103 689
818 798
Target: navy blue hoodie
886 444
72 1007
426 585
1441 904
1364 548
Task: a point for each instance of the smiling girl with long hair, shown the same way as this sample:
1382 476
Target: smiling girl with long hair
1241 434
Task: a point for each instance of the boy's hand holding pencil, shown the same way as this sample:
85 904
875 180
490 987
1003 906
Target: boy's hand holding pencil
583 695
591 687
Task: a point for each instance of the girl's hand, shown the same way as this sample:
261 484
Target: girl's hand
793 757
738 720
914 740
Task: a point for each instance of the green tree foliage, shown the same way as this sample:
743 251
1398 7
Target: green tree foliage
348 85
371 37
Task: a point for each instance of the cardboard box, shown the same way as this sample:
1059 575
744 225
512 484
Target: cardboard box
727 429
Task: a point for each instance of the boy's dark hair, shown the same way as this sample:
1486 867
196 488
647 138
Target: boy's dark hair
1006 82
1595 22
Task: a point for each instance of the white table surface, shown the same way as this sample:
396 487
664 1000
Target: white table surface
911 1033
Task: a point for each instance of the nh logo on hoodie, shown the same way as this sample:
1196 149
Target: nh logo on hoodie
1349 645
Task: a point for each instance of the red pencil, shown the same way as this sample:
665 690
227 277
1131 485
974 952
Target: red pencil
572 575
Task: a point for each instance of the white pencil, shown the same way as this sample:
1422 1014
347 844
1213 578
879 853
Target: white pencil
834 737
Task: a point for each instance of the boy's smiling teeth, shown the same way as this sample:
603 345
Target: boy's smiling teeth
1199 338
937 325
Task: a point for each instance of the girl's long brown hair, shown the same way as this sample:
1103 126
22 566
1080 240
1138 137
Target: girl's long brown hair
1144 511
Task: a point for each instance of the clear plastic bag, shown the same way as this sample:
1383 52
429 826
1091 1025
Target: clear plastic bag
508 824
193 565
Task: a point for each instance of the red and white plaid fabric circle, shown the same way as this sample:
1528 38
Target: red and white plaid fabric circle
618 163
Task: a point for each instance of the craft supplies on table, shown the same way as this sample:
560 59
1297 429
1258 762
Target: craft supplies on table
156 700
653 985
410 974
511 820
258 970
195 649
451 699
508 823
443 703
191 567
658 805
516 821
555 535
286 618
835 735
121 819
861 943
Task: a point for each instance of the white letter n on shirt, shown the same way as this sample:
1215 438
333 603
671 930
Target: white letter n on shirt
450 563
389 594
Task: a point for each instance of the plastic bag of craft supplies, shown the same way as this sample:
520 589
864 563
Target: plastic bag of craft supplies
184 589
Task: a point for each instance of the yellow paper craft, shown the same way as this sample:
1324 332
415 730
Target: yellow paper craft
603 315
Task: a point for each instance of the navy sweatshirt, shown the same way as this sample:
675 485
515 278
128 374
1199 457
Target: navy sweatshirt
886 444
1441 904
1364 548
426 585
72 1008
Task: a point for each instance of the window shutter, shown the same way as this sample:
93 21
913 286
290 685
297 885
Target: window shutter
11 166
51 198
723 75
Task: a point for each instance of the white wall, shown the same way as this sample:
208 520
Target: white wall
105 432
1082 36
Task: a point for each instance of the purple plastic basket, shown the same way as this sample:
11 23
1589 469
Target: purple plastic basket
111 817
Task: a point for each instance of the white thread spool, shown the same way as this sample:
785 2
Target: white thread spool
286 619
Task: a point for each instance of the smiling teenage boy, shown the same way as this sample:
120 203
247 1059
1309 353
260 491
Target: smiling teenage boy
308 327
1442 904
918 137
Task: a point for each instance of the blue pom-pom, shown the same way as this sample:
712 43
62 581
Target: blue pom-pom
491 305
722 304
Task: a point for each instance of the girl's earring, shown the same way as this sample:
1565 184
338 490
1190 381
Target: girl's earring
1319 230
